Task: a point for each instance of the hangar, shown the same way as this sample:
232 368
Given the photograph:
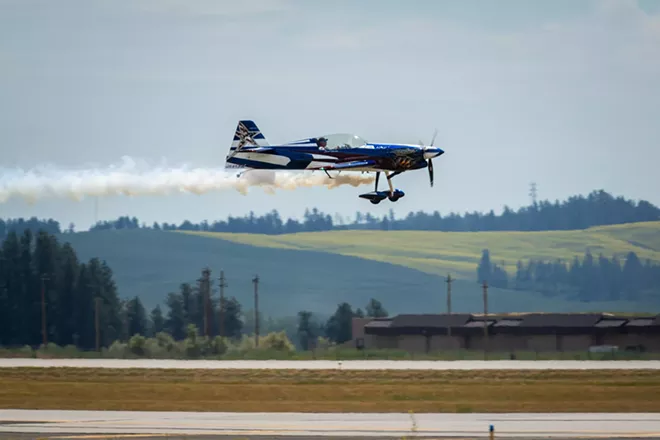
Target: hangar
530 332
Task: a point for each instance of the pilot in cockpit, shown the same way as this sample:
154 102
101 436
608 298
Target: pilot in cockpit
321 142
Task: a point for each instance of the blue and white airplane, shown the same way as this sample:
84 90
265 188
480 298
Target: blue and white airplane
335 152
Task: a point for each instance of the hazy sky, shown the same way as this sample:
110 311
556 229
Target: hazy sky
562 92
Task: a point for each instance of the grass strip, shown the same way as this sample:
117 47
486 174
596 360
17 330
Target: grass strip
330 390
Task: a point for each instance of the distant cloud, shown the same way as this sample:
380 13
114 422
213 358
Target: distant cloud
227 8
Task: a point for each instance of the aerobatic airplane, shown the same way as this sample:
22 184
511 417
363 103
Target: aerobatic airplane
335 152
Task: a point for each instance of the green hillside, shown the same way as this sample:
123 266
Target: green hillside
438 252
316 271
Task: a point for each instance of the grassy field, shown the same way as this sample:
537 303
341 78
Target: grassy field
437 252
330 390
152 263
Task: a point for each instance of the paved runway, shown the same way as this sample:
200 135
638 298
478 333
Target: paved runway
317 365
314 425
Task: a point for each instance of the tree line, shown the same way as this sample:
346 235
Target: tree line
578 212
588 278
33 224
39 274
187 307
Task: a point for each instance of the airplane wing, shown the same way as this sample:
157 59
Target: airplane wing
346 165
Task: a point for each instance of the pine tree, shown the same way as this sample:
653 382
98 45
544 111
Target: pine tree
632 276
12 287
5 318
157 321
233 318
176 322
484 270
84 312
32 262
66 295
375 309
305 331
27 295
136 317
339 326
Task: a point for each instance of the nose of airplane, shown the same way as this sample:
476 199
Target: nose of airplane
431 152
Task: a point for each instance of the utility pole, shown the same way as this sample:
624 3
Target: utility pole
97 323
221 320
485 288
206 273
449 280
44 333
255 280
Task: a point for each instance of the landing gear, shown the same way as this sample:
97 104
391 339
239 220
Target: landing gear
376 196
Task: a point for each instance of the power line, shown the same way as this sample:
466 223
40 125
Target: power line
255 280
207 297
485 288
221 323
448 281
44 333
97 323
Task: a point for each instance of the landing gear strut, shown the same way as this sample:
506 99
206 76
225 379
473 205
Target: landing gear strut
376 196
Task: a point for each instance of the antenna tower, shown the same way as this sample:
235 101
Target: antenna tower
533 192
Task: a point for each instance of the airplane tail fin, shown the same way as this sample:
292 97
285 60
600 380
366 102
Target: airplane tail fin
247 134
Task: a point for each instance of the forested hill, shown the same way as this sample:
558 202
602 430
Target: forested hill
599 208
33 224
578 212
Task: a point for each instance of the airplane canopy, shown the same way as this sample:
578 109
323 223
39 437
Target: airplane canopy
343 140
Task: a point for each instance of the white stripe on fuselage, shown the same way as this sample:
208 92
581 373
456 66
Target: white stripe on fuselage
323 157
264 158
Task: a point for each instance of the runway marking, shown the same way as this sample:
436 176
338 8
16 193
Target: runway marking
140 425
242 428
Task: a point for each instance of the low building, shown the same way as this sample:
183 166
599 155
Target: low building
536 332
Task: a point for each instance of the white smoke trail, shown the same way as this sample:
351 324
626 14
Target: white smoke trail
133 180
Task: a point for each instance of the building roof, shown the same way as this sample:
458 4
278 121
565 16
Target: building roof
431 320
610 323
508 323
561 320
479 323
379 323
513 323
641 322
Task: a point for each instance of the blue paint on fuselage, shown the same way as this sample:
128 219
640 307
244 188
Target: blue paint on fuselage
382 156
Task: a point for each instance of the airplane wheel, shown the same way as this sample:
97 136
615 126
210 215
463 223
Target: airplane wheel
393 199
375 202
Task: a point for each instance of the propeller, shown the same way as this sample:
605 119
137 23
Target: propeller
431 172
430 162
435 133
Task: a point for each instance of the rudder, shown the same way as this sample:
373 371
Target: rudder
247 134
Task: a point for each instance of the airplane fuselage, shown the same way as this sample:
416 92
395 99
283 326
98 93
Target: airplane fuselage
370 157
